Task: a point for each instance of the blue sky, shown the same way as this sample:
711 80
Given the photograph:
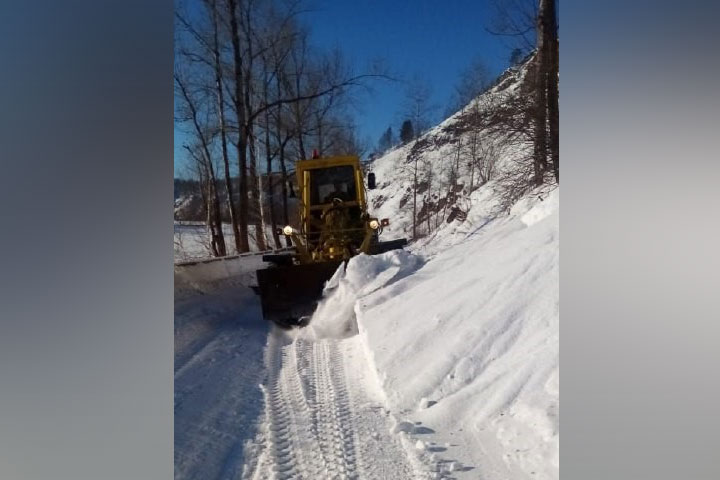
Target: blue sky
433 39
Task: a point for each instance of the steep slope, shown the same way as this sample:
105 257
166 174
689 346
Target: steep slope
461 167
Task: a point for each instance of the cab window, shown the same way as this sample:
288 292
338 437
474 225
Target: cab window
332 182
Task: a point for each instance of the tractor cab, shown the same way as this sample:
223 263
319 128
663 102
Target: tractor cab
333 222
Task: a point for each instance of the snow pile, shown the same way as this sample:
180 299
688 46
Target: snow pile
465 342
364 274
474 335
531 212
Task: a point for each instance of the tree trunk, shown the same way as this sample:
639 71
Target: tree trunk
223 136
472 172
202 188
540 107
210 222
251 140
273 216
298 120
281 157
552 86
415 187
244 245
205 194
320 136
218 239
255 194
268 159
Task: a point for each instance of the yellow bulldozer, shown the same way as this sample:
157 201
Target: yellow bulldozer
334 225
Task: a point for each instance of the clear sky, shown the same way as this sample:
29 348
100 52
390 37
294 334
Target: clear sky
431 38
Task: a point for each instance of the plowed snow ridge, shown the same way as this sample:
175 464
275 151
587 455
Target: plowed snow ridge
324 416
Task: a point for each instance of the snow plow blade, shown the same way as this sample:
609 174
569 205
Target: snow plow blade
290 293
383 247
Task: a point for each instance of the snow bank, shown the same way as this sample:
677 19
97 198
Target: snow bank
465 341
364 274
474 335
532 209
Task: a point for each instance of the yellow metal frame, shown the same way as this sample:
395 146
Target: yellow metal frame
303 169
303 166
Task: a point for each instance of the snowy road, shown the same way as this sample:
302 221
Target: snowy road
253 403
219 366
324 415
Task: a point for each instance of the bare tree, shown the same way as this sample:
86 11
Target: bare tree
413 170
549 30
428 179
540 144
515 21
242 138
219 86
529 25
418 106
271 93
191 114
546 93
473 81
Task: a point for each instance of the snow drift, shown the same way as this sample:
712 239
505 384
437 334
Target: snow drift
466 342
364 274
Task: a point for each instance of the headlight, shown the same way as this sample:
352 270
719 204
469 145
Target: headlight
287 230
374 224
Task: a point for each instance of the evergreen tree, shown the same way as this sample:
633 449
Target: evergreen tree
386 140
406 132
516 57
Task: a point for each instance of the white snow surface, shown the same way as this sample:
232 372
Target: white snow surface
464 340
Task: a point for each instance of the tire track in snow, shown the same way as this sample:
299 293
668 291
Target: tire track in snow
321 422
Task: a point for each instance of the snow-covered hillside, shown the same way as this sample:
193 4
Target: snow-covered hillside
435 173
